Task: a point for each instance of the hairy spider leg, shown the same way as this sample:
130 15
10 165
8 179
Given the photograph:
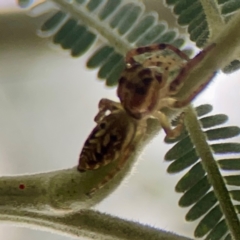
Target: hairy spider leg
165 124
174 87
178 82
185 101
152 48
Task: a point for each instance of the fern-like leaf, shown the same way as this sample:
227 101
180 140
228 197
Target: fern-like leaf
197 190
122 25
194 15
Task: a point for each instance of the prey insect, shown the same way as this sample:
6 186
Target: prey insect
112 139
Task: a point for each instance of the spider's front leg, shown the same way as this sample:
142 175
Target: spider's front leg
165 124
178 82
105 105
174 87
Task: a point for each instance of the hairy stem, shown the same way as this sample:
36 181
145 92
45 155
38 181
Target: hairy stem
102 28
213 17
214 176
52 199
57 191
226 48
88 223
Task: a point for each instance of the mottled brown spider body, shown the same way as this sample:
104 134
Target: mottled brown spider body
112 139
149 72
112 134
153 76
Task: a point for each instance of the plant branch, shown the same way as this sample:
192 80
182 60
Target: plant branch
226 49
213 17
214 176
88 223
64 190
101 28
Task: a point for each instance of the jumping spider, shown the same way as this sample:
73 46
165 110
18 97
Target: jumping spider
112 139
152 77
150 81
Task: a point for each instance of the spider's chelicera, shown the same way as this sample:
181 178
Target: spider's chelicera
149 83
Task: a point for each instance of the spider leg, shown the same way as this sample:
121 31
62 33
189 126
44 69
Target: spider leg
174 103
178 82
170 132
151 48
185 101
104 105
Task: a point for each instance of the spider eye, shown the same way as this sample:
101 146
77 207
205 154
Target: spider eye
140 90
147 81
113 138
122 80
103 125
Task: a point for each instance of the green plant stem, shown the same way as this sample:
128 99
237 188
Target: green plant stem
80 12
66 190
226 49
214 176
57 201
56 191
213 17
88 223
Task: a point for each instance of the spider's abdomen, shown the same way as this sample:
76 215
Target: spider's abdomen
106 141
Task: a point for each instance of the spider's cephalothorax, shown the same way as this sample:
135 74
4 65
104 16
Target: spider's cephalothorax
148 73
153 76
112 139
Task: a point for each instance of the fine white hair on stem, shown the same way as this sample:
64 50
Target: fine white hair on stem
88 223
